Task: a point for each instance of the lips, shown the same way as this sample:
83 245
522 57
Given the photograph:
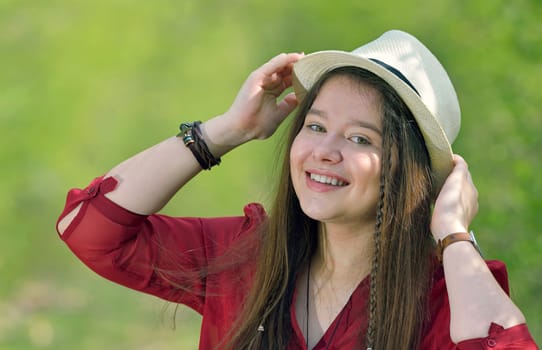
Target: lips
327 180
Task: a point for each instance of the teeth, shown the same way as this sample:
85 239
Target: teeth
327 180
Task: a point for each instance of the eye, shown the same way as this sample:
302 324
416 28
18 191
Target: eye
315 127
360 140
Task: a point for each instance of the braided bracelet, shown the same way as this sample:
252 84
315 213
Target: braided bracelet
193 139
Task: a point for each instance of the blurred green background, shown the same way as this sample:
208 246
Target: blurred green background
85 84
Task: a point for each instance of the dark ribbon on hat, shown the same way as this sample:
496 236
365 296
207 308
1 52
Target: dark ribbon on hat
397 73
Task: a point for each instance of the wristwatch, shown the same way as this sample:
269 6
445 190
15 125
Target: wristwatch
456 237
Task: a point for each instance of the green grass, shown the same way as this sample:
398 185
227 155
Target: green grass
84 85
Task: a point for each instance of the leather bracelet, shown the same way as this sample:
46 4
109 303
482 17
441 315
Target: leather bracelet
193 139
454 238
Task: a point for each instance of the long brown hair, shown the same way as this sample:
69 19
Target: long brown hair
402 242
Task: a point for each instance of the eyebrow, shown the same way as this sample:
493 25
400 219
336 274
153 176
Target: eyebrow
363 124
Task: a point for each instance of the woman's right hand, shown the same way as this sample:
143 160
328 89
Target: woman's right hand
457 203
256 111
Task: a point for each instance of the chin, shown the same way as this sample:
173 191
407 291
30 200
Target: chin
317 214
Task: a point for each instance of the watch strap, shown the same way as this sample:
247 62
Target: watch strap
451 239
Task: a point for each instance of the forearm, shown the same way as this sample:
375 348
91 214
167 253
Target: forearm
476 299
148 180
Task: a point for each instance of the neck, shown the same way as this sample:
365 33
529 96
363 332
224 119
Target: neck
341 261
343 253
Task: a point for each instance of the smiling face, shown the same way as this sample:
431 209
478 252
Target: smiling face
335 159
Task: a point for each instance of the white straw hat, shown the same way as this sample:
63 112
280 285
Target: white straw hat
418 77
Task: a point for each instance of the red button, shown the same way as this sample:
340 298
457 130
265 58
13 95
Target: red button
491 342
92 191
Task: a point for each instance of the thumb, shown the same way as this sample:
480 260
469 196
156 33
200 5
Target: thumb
288 104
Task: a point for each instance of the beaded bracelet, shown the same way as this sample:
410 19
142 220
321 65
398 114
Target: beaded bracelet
193 139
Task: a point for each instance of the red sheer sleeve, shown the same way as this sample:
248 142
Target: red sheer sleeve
513 338
437 334
155 254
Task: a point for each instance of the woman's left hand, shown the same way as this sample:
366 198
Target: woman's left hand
457 203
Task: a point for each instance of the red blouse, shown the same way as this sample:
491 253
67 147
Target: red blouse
129 249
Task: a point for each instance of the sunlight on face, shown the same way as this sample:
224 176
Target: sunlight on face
336 157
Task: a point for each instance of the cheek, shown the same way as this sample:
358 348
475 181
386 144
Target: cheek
295 166
367 168
368 164
297 154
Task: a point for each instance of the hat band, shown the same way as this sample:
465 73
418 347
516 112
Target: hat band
397 73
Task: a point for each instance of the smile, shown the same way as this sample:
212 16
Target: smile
328 180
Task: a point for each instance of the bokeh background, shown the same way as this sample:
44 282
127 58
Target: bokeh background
85 84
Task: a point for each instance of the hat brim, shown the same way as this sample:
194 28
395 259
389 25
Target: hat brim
311 67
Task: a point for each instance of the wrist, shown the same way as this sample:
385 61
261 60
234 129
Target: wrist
224 132
453 238
441 231
221 136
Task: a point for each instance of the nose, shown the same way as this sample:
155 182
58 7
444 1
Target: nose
328 150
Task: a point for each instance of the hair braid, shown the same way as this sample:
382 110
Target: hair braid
373 302
374 271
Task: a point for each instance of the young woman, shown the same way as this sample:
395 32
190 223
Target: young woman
366 244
